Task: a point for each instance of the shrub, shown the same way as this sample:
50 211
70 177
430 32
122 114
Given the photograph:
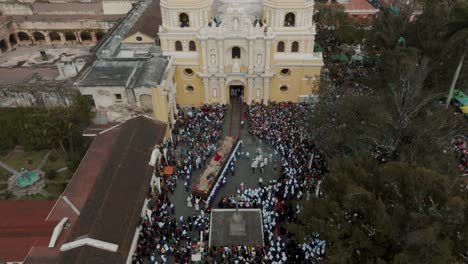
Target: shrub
51 174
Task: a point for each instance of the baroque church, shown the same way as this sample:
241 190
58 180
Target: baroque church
195 52
262 48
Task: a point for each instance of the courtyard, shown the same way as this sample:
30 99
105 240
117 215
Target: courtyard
50 166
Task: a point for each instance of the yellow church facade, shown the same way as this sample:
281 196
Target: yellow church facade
264 48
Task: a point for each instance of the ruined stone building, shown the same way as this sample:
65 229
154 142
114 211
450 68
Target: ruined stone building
195 52
26 22
129 75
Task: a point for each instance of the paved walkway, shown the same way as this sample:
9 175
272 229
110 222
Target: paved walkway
8 168
44 193
43 161
62 169
232 127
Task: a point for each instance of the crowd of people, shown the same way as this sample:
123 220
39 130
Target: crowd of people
162 236
165 237
197 132
460 145
279 125
346 66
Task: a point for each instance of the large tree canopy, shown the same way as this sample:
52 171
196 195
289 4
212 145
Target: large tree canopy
393 193
391 213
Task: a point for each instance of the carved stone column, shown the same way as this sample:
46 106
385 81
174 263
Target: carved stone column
266 90
93 36
78 37
204 56
220 56
267 55
206 89
222 90
62 37
47 37
251 56
252 93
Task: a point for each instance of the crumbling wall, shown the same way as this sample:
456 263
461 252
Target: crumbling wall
69 69
43 94
12 8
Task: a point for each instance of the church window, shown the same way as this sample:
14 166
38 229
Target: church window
139 38
236 53
184 20
118 98
284 88
178 46
290 20
295 46
188 72
189 89
285 72
192 46
280 47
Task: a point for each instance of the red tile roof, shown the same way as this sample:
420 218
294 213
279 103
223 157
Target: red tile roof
115 164
22 226
149 21
85 176
359 6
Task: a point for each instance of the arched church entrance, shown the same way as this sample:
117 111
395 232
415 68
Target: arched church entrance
236 91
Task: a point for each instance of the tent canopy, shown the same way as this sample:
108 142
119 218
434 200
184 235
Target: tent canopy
339 57
464 109
357 58
460 97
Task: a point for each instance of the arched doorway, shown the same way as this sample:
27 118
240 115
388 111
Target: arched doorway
3 45
38 36
85 36
70 36
23 36
236 91
54 36
12 39
99 35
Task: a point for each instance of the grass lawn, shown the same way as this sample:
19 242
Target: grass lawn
4 174
55 189
57 160
28 159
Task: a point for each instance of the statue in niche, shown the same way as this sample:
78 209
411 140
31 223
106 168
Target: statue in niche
235 24
215 92
235 65
213 59
259 58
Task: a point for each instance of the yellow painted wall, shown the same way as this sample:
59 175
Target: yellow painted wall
195 98
160 105
296 85
145 39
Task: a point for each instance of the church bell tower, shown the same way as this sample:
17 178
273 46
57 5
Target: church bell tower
185 15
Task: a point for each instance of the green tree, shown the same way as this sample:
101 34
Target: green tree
457 34
392 213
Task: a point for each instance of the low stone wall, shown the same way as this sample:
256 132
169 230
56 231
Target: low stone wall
43 94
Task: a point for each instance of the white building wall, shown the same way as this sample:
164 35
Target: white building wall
104 97
116 7
15 9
